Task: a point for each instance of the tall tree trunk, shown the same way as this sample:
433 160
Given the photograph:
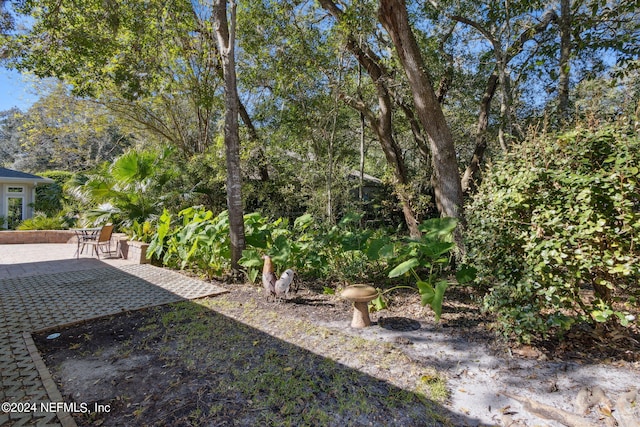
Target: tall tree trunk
565 53
503 58
258 154
393 16
381 123
362 142
473 169
505 132
332 137
225 35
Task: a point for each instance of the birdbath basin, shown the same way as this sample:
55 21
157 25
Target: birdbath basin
360 295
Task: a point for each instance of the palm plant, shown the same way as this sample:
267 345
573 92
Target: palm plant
131 189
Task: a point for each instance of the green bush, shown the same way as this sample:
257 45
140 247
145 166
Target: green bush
200 241
50 198
40 221
344 253
553 232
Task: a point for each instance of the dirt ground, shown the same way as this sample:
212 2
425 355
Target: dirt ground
238 359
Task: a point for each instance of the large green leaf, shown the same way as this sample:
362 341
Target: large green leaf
433 296
435 249
466 274
438 228
387 251
375 245
250 258
426 292
303 222
126 167
404 267
281 250
378 303
134 166
436 304
349 218
252 274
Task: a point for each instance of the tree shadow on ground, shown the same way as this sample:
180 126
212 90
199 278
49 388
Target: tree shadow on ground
185 364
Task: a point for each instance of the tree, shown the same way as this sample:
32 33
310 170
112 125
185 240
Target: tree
226 35
503 59
6 25
10 124
564 24
589 32
135 187
151 62
381 122
393 16
63 132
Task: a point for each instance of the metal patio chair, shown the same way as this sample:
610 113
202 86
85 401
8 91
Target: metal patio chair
99 241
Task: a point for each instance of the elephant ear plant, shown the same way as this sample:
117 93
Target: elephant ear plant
425 260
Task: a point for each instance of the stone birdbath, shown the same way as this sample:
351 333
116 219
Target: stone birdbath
360 295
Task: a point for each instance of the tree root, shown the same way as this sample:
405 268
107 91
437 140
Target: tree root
541 410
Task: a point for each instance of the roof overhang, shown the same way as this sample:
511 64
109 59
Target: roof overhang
12 180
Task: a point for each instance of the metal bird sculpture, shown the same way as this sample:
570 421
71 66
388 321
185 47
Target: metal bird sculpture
268 277
283 283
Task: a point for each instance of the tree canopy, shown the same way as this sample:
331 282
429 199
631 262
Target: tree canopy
324 90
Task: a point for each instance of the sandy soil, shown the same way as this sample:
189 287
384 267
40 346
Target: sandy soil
489 382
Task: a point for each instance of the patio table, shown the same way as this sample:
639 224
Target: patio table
84 235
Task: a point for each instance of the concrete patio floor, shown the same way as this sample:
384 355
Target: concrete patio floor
43 286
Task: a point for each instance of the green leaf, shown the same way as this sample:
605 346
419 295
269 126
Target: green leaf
438 228
404 267
622 318
435 249
303 222
599 316
436 304
379 303
427 293
126 167
253 274
281 250
373 250
350 241
350 217
250 258
466 274
433 296
387 251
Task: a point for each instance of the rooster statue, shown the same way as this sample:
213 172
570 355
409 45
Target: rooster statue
268 277
284 283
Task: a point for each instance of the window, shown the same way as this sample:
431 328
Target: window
15 211
15 190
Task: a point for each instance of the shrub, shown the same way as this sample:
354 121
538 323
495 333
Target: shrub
50 198
553 232
40 221
198 240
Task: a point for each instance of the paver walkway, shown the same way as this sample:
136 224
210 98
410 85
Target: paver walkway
48 288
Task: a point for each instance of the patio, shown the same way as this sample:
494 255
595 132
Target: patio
43 286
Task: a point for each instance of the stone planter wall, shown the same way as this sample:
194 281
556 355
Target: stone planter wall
14 237
131 250
134 251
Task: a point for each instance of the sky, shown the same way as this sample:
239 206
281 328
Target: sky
15 91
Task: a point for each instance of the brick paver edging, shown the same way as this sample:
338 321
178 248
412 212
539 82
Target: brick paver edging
47 381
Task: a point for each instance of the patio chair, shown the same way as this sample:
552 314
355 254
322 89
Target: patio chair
100 240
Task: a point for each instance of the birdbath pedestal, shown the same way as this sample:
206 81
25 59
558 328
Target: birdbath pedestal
360 295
